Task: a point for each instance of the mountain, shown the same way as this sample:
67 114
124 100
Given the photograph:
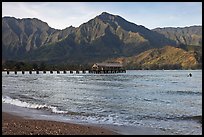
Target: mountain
188 35
23 35
102 37
188 38
167 57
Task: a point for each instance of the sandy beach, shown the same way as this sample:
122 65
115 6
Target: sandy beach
16 125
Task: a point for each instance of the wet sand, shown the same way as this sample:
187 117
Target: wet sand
16 125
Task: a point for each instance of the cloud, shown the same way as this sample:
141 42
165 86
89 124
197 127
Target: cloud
60 15
57 15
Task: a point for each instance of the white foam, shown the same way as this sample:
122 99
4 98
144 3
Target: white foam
19 103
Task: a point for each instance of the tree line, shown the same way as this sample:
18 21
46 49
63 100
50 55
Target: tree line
41 66
162 66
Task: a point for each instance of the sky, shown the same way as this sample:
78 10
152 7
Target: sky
60 15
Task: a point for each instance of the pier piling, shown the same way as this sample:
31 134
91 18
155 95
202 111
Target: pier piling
73 71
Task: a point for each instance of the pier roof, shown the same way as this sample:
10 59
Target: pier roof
109 64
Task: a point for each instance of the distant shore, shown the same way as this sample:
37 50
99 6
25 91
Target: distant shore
16 125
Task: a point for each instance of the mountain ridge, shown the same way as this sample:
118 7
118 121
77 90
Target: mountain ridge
103 37
191 35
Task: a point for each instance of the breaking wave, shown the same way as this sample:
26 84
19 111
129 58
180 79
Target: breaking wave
19 103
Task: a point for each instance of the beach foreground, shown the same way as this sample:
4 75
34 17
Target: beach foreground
16 125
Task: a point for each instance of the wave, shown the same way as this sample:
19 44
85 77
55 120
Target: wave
195 118
53 109
180 92
17 102
156 100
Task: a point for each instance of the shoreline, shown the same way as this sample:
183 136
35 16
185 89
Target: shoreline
71 100
13 115
19 125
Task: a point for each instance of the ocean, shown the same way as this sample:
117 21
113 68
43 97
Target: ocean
167 101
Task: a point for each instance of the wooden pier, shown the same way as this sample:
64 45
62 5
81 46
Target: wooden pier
103 68
66 72
97 68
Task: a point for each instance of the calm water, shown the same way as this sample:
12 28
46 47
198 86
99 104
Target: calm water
161 99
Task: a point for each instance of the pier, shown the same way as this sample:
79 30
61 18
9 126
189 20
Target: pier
97 68
66 72
48 72
104 68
